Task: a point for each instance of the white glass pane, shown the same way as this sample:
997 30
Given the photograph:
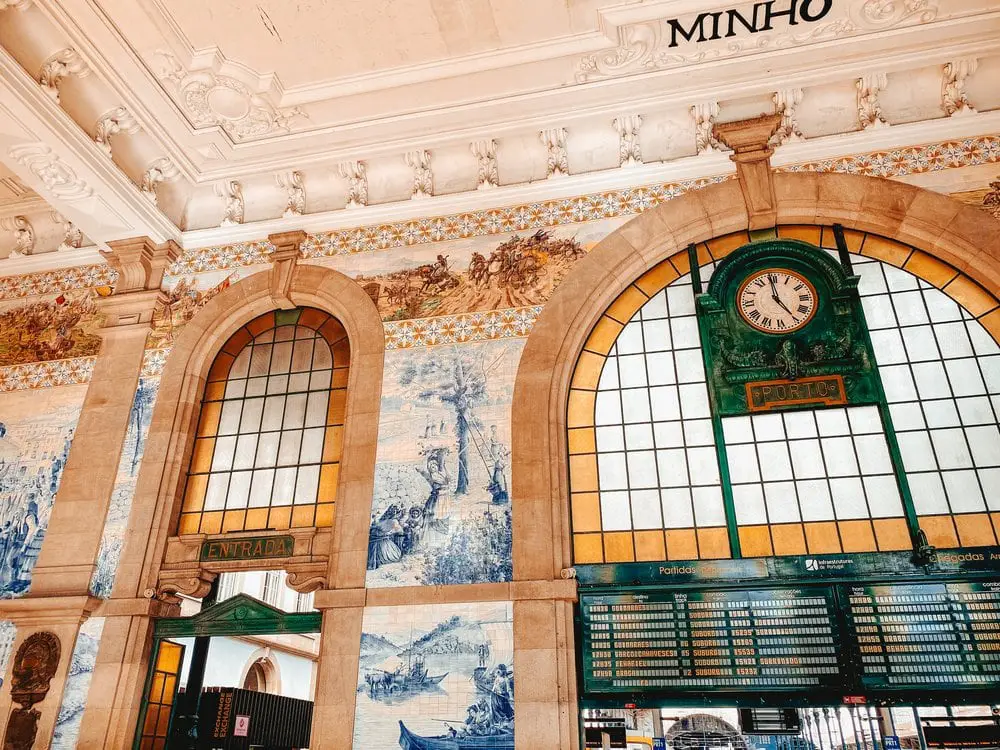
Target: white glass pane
910 308
235 388
800 424
665 403
848 498
611 471
940 306
774 462
873 454
684 333
668 435
748 500
260 360
312 445
888 346
928 495
985 444
975 410
322 358
608 408
832 422
708 507
680 299
295 411
898 280
267 450
274 410
288 453
656 335
277 384
953 340
661 368
256 386
941 413
230 420
222 458
260 488
898 383
990 479
878 312
615 512
656 307
609 375
883 497
305 488
641 470
703 466
298 382
281 359
316 409
964 493
743 463
737 430
250 419
907 417
698 432
951 449
239 490
872 279
215 496
284 333
915 448
241 364
646 509
246 447
931 380
965 377
639 437
677 510
982 342
284 486
635 405
782 504
921 346
319 381
302 355
807 459
694 401
630 339
610 439
814 500
865 419
991 372
632 371
838 453
690 368
672 466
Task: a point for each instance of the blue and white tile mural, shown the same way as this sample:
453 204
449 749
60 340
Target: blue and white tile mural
8 632
441 507
436 676
36 429
113 536
81 671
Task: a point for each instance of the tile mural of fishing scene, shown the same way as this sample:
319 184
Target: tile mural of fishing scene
441 508
436 676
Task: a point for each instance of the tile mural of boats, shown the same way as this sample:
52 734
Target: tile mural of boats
437 677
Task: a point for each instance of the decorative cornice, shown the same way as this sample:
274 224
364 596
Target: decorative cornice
58 177
485 151
629 148
557 158
111 123
232 193
423 179
954 97
46 374
356 174
295 193
159 170
704 115
63 63
869 109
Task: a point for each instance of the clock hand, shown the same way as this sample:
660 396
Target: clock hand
783 306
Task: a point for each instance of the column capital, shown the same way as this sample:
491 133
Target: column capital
287 249
32 612
750 142
140 263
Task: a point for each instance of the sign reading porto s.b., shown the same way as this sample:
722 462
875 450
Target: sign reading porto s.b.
762 16
247 548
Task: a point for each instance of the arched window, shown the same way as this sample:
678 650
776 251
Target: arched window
646 477
268 446
261 677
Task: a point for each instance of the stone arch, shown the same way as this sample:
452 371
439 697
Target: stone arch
170 441
949 233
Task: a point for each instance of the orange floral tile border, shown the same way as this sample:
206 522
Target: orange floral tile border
153 361
53 282
46 374
462 328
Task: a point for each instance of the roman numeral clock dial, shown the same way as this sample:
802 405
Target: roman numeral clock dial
776 300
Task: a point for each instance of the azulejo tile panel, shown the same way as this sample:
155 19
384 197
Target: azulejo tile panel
460 329
64 327
444 672
46 374
81 671
54 282
912 159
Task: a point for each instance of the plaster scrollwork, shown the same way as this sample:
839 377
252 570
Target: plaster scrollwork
19 4
65 62
24 235
232 192
954 98
869 109
704 115
880 14
212 99
159 170
306 578
72 236
193 583
423 179
295 193
485 151
556 156
786 101
629 148
356 174
57 176
111 123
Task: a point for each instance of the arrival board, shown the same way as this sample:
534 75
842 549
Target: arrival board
774 639
926 635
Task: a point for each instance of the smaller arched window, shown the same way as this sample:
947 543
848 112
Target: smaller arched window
270 433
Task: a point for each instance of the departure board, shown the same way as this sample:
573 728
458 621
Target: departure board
926 635
773 639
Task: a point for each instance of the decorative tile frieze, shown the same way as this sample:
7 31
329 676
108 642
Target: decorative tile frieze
462 328
63 280
911 160
153 362
46 374
222 257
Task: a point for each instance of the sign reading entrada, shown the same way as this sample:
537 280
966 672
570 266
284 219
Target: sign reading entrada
763 16
247 548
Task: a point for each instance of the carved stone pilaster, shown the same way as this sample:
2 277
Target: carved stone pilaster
749 140
111 123
63 63
485 152
232 192
295 193
159 170
954 98
629 149
140 263
869 109
423 179
287 250
556 158
356 174
785 103
704 115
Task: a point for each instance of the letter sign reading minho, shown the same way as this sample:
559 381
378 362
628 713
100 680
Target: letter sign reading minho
247 548
763 16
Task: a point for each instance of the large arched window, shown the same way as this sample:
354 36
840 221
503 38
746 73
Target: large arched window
270 434
646 476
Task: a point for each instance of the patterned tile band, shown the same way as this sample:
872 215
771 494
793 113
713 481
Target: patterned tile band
459 329
46 374
63 280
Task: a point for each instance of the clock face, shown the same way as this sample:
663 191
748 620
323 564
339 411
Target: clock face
776 300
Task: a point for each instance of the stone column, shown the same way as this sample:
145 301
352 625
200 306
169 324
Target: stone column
72 540
337 669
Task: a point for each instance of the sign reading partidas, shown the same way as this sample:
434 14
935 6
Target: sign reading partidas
247 548
763 16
